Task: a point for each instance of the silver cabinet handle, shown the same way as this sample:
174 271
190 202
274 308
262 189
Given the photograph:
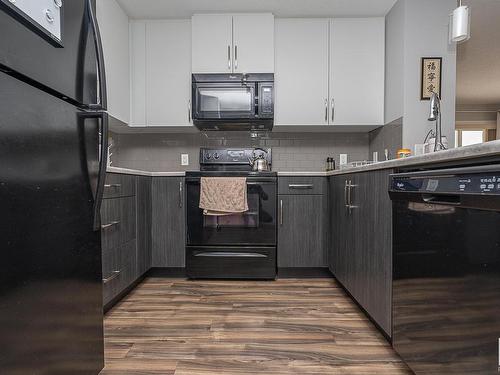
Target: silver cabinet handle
113 186
300 186
346 186
236 57
229 57
113 276
189 111
109 225
350 205
281 211
333 110
224 254
180 194
326 110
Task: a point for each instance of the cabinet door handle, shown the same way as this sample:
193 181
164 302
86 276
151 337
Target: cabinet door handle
117 186
180 194
326 110
346 186
189 111
281 212
113 276
333 110
300 186
236 57
229 57
109 225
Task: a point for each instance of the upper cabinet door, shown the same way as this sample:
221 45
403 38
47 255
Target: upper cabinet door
357 59
301 78
253 43
168 73
212 43
137 73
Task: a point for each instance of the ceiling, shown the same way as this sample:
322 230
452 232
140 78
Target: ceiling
478 59
157 9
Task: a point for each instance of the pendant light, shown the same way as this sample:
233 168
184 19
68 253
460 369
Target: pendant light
460 24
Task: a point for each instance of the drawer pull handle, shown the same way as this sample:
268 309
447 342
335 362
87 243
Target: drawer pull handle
113 186
109 225
113 276
223 254
300 186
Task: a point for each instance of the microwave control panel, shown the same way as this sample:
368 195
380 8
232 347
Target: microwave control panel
266 99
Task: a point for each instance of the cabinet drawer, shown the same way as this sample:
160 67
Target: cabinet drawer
118 221
118 269
302 185
111 273
119 185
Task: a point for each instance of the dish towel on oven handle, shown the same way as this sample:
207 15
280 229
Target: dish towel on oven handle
223 195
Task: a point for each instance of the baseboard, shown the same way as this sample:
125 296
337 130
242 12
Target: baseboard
177 272
122 294
303 272
380 329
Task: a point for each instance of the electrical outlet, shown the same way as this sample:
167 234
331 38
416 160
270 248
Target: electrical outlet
375 156
343 159
184 159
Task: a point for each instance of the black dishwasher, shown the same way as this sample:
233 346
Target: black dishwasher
446 269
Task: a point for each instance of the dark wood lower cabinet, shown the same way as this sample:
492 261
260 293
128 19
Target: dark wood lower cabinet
144 234
302 218
168 222
125 232
360 254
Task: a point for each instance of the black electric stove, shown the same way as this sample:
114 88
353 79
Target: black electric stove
237 246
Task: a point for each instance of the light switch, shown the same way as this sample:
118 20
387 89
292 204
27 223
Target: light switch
184 159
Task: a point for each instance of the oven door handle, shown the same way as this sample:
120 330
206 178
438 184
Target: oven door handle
223 254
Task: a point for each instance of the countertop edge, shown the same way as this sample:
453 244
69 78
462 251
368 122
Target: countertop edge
138 172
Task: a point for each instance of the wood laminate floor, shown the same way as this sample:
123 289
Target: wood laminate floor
289 326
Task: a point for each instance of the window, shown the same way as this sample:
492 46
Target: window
468 135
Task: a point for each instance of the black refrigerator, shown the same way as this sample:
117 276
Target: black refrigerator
53 148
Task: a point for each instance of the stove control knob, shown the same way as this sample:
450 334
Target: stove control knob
209 156
216 156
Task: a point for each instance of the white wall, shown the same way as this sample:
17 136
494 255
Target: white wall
416 29
394 62
113 24
426 35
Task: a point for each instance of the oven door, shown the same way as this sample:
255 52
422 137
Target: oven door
223 101
255 227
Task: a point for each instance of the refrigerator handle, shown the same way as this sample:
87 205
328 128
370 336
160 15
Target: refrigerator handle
103 162
102 100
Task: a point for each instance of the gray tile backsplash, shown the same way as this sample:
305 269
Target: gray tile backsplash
291 151
388 137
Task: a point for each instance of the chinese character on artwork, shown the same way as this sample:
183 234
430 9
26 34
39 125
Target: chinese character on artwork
431 77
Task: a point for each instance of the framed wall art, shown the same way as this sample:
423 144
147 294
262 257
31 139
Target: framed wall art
431 77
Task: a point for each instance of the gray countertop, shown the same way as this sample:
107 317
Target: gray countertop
138 172
456 154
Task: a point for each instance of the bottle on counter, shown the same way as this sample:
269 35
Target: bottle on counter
330 164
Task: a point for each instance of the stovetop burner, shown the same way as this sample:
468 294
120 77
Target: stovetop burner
232 162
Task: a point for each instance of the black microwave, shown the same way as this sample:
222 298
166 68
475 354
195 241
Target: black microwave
233 101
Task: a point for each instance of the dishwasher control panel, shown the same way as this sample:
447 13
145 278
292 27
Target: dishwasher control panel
480 183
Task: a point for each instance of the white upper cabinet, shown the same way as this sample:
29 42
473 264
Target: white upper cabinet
137 73
115 41
253 43
357 70
212 43
301 78
233 43
168 73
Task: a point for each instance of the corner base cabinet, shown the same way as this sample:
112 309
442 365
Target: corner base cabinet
360 254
